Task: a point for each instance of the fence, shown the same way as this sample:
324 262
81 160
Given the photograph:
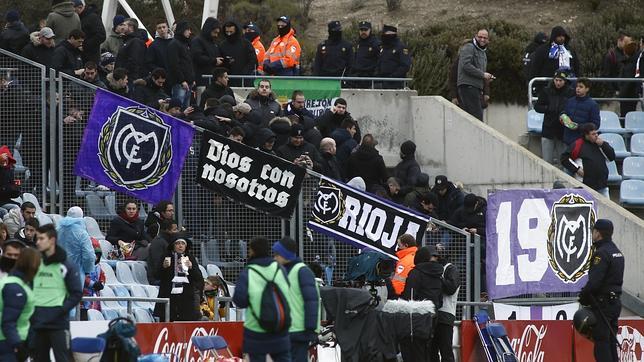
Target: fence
220 228
23 101
345 82
532 87
129 305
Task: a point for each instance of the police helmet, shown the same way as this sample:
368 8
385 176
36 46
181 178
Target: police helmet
584 322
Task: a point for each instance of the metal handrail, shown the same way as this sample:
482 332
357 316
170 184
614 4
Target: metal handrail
129 301
373 80
532 98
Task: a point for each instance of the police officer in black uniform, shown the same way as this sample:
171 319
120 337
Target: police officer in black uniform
367 51
334 55
603 290
394 60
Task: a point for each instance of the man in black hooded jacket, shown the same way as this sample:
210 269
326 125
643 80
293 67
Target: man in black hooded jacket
218 87
367 163
450 198
181 73
94 30
554 54
205 52
238 53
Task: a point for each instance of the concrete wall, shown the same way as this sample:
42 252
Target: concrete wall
482 158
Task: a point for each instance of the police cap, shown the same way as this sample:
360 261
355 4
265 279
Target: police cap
284 18
363 25
334 25
391 28
604 225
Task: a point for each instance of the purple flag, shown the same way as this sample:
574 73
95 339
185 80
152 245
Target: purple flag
538 241
133 149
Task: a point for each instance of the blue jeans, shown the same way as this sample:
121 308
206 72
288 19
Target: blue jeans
182 94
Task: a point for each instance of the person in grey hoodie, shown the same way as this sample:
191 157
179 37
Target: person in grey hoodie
472 74
62 19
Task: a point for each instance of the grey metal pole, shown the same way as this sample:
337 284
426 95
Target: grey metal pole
167 311
59 125
477 267
468 271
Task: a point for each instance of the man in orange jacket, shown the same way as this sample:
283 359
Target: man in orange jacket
406 252
251 33
283 56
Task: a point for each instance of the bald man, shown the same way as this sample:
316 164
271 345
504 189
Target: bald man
330 166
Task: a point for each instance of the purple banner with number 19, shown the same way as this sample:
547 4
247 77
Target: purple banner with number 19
538 241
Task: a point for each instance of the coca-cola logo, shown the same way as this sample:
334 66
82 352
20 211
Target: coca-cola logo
528 347
181 350
631 344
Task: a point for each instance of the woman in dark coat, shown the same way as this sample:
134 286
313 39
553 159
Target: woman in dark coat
181 281
127 227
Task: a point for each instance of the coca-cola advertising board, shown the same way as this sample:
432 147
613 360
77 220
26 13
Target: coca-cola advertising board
532 341
630 342
175 338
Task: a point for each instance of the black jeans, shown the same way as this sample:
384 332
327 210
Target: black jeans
414 350
471 100
442 343
56 339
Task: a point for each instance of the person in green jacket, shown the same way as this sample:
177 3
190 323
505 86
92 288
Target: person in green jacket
57 290
304 299
259 342
17 306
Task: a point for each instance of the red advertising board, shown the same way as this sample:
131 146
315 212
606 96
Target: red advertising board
532 341
174 338
630 338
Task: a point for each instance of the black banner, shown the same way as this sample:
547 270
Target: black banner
256 179
362 219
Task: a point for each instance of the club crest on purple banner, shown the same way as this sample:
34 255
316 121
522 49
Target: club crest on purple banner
570 237
135 148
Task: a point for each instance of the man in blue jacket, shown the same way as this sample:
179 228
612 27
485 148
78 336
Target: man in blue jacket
259 342
304 300
57 290
580 109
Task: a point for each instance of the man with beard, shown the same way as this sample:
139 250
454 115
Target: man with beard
205 51
333 118
283 56
334 55
297 113
472 74
262 102
394 60
10 253
132 54
181 73
218 87
252 34
151 90
238 53
93 28
367 52
41 47
299 151
553 55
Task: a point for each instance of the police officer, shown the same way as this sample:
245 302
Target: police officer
394 60
603 290
367 52
334 55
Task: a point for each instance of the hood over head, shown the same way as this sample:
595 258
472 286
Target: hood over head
65 8
557 31
210 24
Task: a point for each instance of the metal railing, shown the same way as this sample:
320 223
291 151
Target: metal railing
345 82
129 300
532 98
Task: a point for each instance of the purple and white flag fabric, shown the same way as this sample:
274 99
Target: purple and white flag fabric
538 241
133 149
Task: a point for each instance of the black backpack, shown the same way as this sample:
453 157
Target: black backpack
274 312
120 343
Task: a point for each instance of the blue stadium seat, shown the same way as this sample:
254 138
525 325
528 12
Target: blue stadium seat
635 122
633 168
535 121
614 178
618 144
94 315
631 193
610 123
87 349
637 144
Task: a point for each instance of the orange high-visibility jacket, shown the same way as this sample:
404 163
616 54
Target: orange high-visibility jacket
260 52
285 49
403 267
